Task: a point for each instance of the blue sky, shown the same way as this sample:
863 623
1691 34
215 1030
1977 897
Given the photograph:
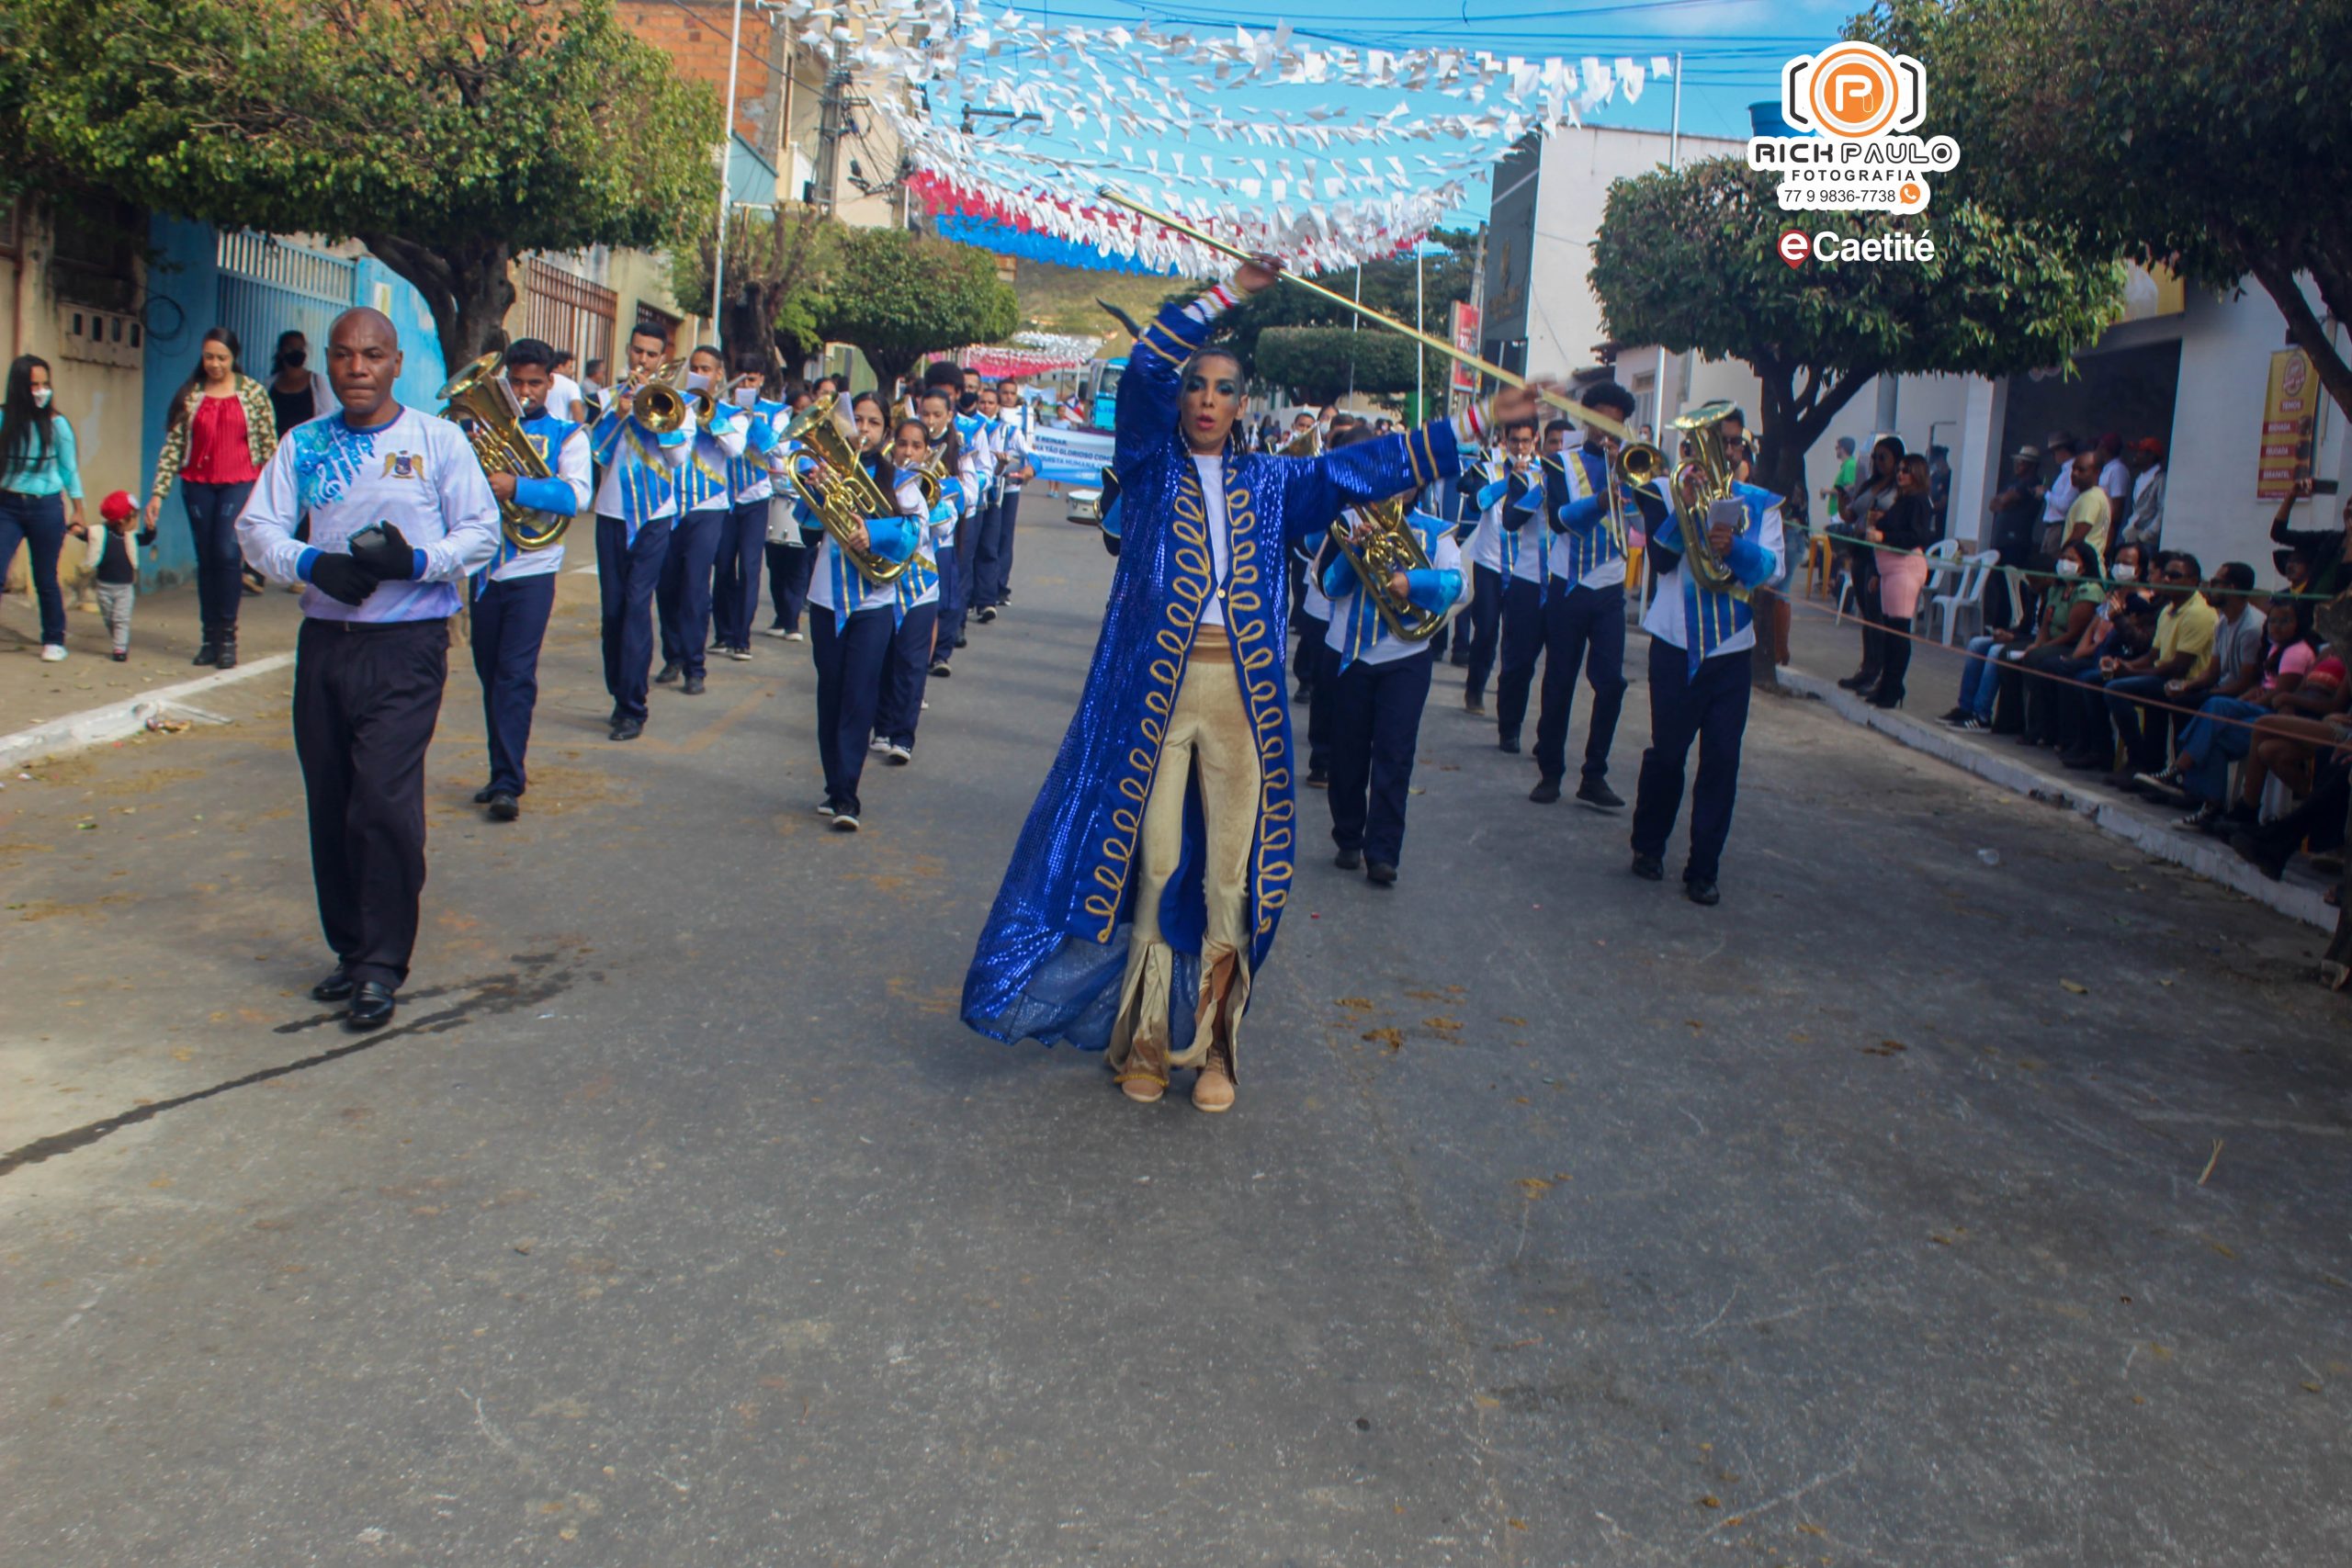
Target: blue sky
1733 50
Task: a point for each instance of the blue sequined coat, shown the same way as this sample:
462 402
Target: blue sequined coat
1051 961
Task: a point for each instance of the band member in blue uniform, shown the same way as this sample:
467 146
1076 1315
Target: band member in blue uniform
742 541
1511 474
1583 613
792 554
992 560
706 503
851 620
637 505
955 434
915 606
516 593
1523 548
1699 673
1379 685
1145 887
398 514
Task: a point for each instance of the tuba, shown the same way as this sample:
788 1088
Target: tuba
1698 484
1392 546
480 396
849 497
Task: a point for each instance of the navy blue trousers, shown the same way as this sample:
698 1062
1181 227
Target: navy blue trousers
1711 709
992 554
510 620
1375 730
39 522
1583 628
1320 723
955 600
220 561
735 574
367 696
789 567
906 675
682 599
1522 640
626 575
849 660
1486 615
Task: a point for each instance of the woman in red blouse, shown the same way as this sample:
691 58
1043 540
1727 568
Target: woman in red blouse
220 435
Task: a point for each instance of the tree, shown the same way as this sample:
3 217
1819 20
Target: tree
1321 364
2210 138
898 296
1688 260
1388 286
447 135
775 272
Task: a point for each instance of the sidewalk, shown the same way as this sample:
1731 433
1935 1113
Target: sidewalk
163 635
1823 652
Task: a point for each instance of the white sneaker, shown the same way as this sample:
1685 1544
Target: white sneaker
902 755
826 809
780 634
844 823
879 746
794 637
53 653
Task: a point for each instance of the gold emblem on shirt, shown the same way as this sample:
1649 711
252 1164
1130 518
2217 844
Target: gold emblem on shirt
403 465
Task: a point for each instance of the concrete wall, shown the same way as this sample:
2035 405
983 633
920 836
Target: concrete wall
102 402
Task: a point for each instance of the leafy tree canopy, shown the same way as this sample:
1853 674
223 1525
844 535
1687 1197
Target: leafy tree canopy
898 296
1388 288
2211 137
1688 259
447 135
1315 361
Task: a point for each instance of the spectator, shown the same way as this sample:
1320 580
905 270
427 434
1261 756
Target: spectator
592 382
1866 509
1843 485
2319 819
2114 475
1905 530
2147 514
2325 555
2303 725
565 399
2057 498
1988 655
2182 655
2131 635
2091 515
1939 488
2011 531
297 393
40 482
114 560
2073 621
221 433
2223 728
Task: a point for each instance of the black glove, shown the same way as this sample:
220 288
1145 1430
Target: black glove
388 556
342 578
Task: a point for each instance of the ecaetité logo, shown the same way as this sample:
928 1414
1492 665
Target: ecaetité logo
1857 101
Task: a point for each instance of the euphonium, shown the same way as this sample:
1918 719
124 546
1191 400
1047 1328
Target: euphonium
848 497
1698 485
1392 546
480 396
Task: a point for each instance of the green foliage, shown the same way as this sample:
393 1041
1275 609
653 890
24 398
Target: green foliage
1388 288
2211 137
446 134
1315 361
1687 259
898 296
776 265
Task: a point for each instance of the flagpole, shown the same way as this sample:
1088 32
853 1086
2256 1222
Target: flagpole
725 168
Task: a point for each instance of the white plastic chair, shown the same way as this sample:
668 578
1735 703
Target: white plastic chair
1943 562
1969 595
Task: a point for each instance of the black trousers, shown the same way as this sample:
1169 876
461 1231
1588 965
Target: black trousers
1583 628
510 621
1321 720
682 595
1307 658
1893 658
367 696
789 567
626 574
1375 730
849 660
1710 708
735 574
1522 640
1486 615
906 675
992 555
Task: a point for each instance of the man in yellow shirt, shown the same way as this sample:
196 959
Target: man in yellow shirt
2183 648
2090 516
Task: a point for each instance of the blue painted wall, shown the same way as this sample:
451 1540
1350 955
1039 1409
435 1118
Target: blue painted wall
184 293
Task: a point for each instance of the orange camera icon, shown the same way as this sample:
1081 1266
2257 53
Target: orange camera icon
1854 90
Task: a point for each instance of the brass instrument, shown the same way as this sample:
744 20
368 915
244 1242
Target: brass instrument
480 396
658 405
1392 546
1304 443
933 479
1698 485
849 497
1634 465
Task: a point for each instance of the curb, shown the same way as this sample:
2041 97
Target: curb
118 720
2213 860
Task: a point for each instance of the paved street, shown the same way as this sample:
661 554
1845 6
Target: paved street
1865 1219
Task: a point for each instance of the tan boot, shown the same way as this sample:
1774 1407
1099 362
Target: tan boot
1145 1078
1213 1091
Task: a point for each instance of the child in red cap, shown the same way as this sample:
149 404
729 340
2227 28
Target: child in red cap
114 557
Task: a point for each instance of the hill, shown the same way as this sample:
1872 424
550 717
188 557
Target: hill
1061 299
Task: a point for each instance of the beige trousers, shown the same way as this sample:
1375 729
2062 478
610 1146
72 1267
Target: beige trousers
1209 731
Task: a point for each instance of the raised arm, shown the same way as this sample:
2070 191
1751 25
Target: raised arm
1144 419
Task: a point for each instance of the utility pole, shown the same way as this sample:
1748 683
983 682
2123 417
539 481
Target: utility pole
1673 162
725 192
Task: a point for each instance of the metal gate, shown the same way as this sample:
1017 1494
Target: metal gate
269 286
567 311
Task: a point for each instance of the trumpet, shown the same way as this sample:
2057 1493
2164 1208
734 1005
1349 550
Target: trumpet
848 497
480 396
1389 547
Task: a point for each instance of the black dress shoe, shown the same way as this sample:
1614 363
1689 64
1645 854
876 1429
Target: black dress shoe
1700 891
1545 793
206 652
227 657
1348 860
1597 794
629 729
1649 868
336 987
693 687
1861 680
1318 778
1473 702
1507 743
504 808
484 795
940 669
371 1008
669 674
1882 698
1380 874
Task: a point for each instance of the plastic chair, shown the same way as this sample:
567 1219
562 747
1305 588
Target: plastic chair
1969 595
1943 560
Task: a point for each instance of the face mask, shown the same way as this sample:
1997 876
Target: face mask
294 359
2127 574
745 396
2070 568
41 396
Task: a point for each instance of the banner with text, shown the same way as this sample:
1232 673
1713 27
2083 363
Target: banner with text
1070 457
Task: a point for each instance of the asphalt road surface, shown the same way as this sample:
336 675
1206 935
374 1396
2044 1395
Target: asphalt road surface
1872 1217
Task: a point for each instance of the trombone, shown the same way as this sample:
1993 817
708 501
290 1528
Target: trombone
658 404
